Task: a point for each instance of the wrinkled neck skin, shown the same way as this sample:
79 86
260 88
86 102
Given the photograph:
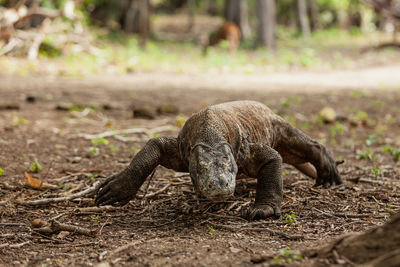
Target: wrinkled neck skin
212 167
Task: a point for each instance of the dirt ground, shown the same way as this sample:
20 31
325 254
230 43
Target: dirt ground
167 224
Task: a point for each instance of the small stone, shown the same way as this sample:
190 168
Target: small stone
328 114
63 234
9 107
76 160
102 264
37 223
168 108
63 106
144 112
235 250
31 97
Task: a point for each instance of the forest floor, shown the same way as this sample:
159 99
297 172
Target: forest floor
48 120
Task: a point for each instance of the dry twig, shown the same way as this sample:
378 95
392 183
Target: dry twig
56 227
59 199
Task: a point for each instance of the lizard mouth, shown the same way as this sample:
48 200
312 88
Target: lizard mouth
218 197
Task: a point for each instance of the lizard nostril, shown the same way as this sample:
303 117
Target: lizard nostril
226 184
209 186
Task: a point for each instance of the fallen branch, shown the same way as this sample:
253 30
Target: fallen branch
274 232
10 46
59 199
95 209
157 192
148 132
56 227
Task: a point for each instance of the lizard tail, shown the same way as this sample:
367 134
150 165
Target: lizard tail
308 169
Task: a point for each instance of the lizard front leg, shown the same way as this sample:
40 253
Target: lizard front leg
265 163
301 151
119 188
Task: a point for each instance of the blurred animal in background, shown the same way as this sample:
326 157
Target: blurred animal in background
228 32
5 35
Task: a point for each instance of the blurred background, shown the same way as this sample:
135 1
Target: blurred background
75 38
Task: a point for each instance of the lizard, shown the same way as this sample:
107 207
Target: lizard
221 141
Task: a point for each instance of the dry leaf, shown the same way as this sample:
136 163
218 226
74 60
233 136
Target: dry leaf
33 182
63 234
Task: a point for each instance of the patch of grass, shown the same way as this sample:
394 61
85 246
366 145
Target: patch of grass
35 166
367 154
135 150
358 94
377 172
288 101
181 120
94 151
95 219
94 175
392 150
19 120
113 148
371 139
335 130
212 230
99 141
287 256
290 218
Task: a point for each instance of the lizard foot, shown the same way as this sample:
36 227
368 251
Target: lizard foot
261 212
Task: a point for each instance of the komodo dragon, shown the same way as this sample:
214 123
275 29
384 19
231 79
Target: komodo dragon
217 143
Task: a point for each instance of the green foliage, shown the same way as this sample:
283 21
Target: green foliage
377 172
288 101
135 150
94 151
99 141
291 218
181 120
360 116
287 256
336 129
35 166
212 230
371 139
95 219
48 49
94 175
389 208
19 120
113 148
367 154
392 150
358 94
1 171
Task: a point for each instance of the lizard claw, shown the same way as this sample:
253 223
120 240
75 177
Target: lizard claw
116 190
260 212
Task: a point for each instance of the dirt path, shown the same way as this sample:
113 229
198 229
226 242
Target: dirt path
174 227
379 78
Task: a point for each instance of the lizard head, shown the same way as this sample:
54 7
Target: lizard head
213 171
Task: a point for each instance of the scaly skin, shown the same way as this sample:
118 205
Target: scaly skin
217 143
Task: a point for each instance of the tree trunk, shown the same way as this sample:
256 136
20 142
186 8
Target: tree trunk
237 11
212 8
313 14
191 6
137 19
302 17
379 246
267 23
